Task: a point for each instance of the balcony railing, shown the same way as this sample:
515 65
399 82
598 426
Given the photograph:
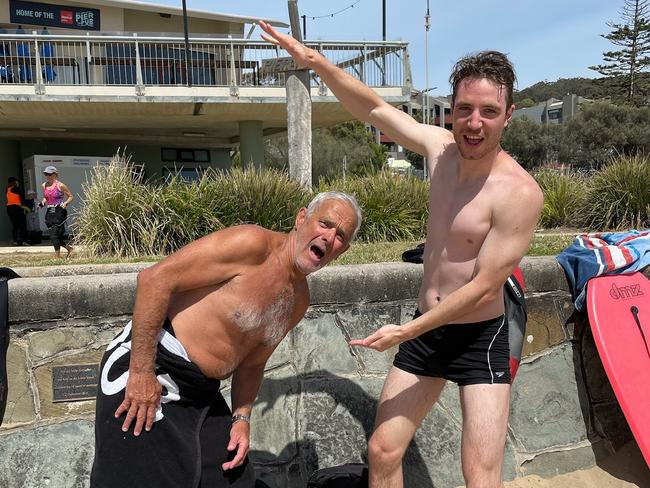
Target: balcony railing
43 59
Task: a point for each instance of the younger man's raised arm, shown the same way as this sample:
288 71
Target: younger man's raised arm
361 101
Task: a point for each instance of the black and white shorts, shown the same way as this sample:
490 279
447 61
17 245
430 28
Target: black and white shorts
467 354
188 442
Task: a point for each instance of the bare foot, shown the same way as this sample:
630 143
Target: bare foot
57 254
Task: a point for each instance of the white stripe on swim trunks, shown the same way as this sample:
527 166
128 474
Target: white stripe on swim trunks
490 347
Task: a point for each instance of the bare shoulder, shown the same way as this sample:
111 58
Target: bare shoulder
244 243
516 188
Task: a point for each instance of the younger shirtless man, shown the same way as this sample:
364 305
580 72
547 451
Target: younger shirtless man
483 209
216 308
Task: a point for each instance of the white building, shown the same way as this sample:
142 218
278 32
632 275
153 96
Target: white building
87 78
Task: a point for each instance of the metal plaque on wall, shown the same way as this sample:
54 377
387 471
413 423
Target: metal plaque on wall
73 383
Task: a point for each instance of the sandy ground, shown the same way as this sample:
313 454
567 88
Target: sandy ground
625 469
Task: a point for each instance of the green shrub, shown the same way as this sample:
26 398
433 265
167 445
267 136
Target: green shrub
618 195
113 217
124 216
185 211
563 197
393 208
268 198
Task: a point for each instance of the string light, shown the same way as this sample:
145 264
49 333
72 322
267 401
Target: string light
312 17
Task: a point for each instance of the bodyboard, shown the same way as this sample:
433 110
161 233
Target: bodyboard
619 315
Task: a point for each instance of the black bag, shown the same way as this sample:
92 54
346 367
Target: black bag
516 316
414 255
345 476
55 216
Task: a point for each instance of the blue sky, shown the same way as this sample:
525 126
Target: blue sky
546 39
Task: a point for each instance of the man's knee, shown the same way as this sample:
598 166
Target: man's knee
482 474
384 454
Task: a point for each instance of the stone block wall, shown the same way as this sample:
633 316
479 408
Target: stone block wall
317 404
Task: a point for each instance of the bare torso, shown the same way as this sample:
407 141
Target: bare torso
460 217
224 324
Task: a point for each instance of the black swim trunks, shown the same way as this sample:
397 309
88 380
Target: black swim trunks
467 354
187 444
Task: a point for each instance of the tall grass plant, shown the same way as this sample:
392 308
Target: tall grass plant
563 197
394 207
125 216
618 195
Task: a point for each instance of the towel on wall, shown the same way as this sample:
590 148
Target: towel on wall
596 254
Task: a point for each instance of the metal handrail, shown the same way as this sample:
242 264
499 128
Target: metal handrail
140 61
234 40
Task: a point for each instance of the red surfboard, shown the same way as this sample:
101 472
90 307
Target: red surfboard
619 314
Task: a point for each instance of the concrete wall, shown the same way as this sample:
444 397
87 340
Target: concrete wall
139 21
317 404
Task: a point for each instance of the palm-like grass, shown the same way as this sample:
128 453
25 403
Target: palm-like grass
394 208
123 216
618 196
563 197
268 198
111 219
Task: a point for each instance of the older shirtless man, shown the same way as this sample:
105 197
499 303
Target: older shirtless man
483 209
216 308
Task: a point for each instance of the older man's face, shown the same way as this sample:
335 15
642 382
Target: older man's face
323 235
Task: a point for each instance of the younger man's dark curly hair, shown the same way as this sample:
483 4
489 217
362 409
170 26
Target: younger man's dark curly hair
492 65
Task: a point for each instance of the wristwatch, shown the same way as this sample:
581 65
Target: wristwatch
239 416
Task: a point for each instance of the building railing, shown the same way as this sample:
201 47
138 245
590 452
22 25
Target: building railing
44 59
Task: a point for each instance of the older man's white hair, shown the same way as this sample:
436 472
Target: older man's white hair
337 195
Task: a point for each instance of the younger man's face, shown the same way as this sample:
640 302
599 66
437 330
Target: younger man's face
479 116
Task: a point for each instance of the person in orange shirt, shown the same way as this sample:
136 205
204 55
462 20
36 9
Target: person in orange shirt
16 212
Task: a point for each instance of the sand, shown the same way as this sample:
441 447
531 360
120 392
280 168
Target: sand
624 469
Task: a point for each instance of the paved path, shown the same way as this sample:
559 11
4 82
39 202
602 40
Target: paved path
9 248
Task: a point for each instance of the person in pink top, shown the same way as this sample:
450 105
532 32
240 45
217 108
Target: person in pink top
56 197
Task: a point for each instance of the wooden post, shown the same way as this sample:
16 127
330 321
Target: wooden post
298 113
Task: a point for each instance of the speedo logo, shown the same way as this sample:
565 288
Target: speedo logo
625 292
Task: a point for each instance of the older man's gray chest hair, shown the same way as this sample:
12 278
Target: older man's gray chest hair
272 321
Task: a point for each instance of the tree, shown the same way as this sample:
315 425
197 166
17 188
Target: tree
526 103
602 130
633 36
416 159
529 143
347 147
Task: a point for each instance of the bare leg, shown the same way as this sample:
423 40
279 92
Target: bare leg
68 248
405 400
57 254
485 421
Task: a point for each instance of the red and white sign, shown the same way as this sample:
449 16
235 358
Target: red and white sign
66 17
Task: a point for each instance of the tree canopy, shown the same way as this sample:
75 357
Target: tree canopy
632 36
